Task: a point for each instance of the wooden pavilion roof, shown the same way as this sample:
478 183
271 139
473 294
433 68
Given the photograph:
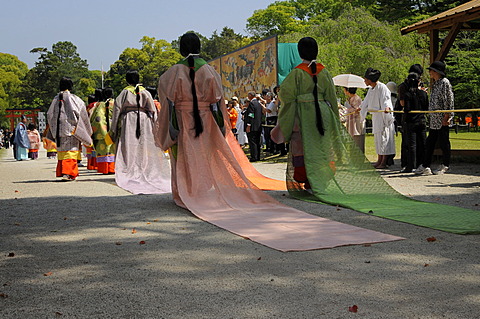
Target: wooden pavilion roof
467 15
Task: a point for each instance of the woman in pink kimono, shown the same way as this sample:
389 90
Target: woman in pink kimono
140 166
206 177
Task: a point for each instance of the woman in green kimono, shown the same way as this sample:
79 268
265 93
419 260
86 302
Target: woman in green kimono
309 120
326 165
101 119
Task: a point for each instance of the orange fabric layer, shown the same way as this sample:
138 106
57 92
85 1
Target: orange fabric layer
106 167
251 173
67 167
92 164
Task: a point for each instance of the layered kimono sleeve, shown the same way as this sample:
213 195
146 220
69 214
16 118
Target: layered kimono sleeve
286 117
117 110
325 83
83 129
148 103
52 115
164 129
217 97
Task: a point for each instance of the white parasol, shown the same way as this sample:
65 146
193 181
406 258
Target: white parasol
349 81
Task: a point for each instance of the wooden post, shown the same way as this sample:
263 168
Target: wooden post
447 44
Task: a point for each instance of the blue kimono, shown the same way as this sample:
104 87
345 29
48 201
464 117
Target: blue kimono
21 141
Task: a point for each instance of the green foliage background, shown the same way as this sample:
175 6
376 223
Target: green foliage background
352 35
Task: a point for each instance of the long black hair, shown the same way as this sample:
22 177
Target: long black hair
308 50
190 44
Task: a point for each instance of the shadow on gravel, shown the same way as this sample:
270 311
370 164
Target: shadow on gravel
143 257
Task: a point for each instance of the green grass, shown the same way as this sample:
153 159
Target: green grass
460 141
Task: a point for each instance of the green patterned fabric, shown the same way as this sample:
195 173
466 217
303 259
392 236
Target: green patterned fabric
98 121
339 173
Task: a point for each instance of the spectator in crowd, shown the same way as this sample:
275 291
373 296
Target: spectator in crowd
233 116
355 125
398 106
253 121
414 124
441 99
378 98
271 116
241 134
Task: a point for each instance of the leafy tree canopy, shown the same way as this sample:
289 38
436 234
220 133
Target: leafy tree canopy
12 73
356 40
151 60
41 83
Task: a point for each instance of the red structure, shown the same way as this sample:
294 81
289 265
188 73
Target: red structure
15 114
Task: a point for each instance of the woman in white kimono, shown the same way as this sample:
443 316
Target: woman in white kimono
140 166
379 99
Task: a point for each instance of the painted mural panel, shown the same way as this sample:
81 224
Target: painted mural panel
251 68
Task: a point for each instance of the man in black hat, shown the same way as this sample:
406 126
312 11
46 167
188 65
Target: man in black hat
441 98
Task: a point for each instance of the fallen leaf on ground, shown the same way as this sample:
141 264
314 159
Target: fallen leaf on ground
431 239
148 223
48 274
134 231
155 220
16 191
142 242
353 308
426 265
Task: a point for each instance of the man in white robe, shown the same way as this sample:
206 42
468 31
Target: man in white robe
379 99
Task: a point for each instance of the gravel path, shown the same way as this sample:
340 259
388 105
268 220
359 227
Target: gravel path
88 249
